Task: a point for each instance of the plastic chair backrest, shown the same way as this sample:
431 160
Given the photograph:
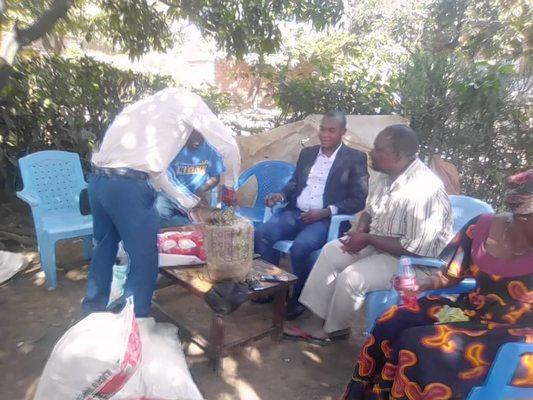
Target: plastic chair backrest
271 176
498 385
55 179
465 208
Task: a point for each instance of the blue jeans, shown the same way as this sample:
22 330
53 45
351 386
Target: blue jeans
287 225
169 212
123 209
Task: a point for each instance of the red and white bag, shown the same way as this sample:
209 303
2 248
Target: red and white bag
163 373
181 248
101 357
94 359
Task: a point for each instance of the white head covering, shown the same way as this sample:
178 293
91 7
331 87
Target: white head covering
197 114
149 133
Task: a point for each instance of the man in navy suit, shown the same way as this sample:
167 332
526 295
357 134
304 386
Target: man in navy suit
329 179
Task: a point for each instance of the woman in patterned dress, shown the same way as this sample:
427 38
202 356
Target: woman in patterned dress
410 355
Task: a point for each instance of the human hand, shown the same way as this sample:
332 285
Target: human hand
362 228
228 196
273 198
400 287
203 199
199 214
315 215
354 242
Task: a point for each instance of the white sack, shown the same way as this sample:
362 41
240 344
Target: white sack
163 374
94 359
10 264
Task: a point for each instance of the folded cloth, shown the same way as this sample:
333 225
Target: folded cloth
451 314
226 297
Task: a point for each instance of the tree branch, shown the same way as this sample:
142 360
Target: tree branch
44 24
16 38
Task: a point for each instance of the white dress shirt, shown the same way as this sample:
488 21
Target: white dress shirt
312 196
147 135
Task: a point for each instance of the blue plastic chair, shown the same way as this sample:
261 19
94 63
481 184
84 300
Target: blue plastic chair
284 246
498 382
464 208
272 177
53 181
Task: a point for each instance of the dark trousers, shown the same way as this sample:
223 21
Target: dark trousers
123 209
287 225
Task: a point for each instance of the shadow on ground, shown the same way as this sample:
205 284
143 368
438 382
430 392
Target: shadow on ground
33 319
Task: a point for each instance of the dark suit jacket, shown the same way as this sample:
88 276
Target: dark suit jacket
346 185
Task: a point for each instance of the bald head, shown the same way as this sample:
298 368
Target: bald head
403 139
394 149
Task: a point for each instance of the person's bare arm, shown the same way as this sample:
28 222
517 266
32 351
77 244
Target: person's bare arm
389 245
363 223
186 198
209 184
437 281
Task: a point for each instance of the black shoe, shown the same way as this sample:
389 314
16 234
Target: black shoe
294 311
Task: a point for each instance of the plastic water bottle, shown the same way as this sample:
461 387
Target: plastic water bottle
407 282
120 273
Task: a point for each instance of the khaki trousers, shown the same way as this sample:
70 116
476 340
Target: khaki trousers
339 281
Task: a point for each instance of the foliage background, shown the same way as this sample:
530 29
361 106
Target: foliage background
67 104
460 69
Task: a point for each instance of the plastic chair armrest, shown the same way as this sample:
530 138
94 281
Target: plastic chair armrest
465 286
427 262
504 366
335 224
28 198
270 211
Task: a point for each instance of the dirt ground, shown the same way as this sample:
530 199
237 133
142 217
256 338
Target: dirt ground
33 319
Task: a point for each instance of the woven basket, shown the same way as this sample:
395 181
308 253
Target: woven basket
229 250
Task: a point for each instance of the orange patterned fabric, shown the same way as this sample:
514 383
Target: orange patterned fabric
474 355
366 363
404 387
408 356
524 378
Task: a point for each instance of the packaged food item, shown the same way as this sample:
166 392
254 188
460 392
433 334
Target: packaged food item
183 247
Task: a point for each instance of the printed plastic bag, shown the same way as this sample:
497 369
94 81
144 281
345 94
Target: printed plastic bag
181 248
94 359
120 273
163 373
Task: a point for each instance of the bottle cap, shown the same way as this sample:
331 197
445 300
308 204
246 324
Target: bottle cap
405 260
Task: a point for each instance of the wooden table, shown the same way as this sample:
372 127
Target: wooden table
193 279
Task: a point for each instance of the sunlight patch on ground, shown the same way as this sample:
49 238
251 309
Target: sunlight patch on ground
38 278
242 388
76 275
312 356
32 389
192 350
24 347
253 354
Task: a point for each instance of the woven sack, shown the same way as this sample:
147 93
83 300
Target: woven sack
229 250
